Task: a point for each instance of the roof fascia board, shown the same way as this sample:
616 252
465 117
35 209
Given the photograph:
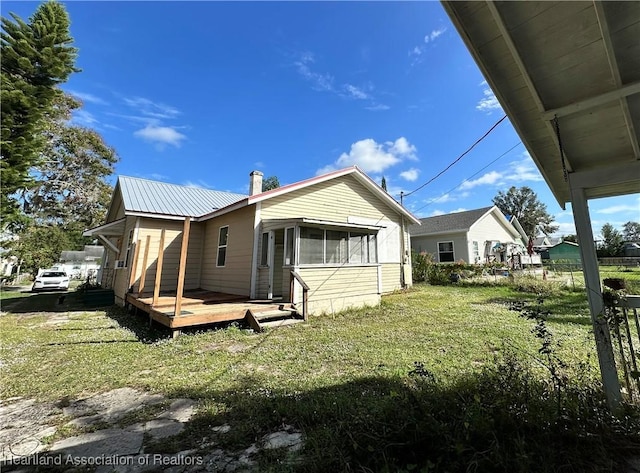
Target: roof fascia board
463 231
224 210
158 216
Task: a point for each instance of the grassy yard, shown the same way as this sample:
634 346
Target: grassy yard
438 378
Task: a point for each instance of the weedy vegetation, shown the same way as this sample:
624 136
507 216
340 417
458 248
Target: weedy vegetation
472 376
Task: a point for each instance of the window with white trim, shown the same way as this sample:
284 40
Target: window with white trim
445 252
476 251
129 246
264 253
222 245
289 246
320 246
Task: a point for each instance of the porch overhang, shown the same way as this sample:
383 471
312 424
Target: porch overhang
115 228
566 73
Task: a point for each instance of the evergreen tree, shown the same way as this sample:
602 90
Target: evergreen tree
36 57
523 203
383 184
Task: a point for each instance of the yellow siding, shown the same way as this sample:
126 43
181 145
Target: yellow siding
336 199
171 257
334 289
235 276
391 278
121 276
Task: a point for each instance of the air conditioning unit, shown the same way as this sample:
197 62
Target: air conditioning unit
120 264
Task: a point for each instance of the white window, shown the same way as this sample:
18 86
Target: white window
445 252
222 245
476 252
264 253
311 245
129 246
289 239
319 246
336 247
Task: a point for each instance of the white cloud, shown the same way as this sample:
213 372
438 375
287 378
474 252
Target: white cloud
377 107
355 92
84 118
85 97
325 82
434 34
402 147
486 179
614 209
373 157
410 175
318 81
417 51
152 109
523 170
160 135
489 102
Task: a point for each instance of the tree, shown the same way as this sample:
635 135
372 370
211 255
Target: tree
70 188
36 57
612 243
270 183
523 203
383 184
40 246
571 238
631 231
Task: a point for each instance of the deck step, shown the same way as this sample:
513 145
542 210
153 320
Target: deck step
280 323
274 314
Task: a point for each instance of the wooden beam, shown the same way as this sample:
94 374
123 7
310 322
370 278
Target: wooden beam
134 265
586 104
605 175
604 348
183 266
145 258
108 244
156 287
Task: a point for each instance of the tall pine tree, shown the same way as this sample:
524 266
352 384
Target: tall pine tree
36 57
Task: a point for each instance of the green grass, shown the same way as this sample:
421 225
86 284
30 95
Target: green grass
480 397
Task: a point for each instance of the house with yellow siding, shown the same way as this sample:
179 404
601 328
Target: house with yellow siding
329 243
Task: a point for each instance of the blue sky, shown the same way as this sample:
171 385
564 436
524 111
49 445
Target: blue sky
202 93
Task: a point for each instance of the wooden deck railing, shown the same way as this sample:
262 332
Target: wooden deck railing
305 292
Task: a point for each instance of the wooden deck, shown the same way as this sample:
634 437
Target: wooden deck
199 307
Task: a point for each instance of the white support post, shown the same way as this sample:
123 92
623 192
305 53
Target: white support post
608 371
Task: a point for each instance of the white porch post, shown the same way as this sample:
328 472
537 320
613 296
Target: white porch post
610 380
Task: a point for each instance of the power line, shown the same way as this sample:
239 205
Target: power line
402 195
466 179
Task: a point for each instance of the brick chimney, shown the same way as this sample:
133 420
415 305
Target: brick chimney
255 182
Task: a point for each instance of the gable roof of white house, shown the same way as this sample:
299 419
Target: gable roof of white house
458 222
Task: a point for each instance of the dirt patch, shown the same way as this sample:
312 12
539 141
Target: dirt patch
109 431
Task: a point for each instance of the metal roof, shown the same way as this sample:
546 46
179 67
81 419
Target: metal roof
448 223
578 61
153 197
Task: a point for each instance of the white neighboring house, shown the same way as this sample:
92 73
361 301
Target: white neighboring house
80 264
475 236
